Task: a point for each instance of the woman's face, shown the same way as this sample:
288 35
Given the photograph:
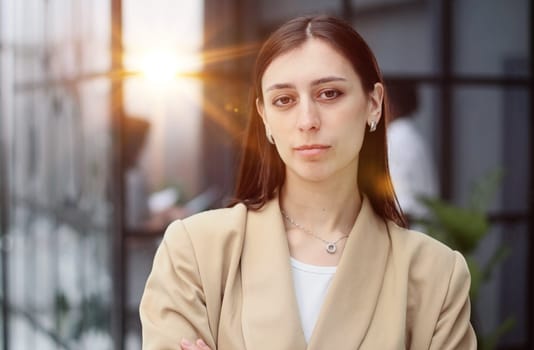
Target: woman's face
317 111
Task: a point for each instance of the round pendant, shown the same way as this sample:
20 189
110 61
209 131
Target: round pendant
331 248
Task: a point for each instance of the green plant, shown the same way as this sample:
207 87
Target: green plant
462 229
92 314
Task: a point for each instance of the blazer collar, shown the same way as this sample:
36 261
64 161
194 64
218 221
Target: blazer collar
270 313
350 302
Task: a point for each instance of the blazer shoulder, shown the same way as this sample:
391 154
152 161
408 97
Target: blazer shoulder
210 226
426 260
222 219
420 246
438 282
430 264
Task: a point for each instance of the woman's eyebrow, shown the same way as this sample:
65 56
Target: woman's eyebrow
313 83
280 86
327 80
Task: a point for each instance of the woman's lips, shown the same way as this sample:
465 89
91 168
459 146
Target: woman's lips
311 150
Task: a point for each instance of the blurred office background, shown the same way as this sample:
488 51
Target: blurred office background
74 72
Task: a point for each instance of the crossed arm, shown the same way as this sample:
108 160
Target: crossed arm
185 344
173 308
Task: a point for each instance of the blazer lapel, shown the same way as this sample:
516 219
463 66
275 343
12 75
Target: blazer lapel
350 302
270 313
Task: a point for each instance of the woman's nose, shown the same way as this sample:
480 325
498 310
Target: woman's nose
308 118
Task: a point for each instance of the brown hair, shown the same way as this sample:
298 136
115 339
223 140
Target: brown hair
262 172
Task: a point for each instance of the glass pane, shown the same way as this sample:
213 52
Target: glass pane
140 255
488 34
403 41
56 91
491 134
491 127
163 108
513 297
163 131
278 11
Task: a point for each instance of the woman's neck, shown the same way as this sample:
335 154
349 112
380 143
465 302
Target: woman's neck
326 208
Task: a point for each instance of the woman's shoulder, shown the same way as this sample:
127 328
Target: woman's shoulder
437 282
210 223
220 218
424 255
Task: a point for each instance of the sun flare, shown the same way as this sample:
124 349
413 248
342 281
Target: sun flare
162 67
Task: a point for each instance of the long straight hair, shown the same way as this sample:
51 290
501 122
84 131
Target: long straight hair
262 171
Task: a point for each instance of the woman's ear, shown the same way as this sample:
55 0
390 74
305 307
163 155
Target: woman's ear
375 102
261 109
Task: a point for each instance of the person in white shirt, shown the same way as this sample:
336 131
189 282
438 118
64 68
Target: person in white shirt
411 165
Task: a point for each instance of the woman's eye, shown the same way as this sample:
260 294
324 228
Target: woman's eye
283 101
329 94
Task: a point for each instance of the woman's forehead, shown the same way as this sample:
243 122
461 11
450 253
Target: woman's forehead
314 59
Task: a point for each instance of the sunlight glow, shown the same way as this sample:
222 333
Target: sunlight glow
165 66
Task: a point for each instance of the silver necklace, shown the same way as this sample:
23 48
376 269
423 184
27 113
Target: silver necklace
331 246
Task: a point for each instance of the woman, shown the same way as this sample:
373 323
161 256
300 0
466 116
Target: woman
314 254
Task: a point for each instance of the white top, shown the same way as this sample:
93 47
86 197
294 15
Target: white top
410 165
311 284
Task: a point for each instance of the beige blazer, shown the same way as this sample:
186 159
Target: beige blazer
225 276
